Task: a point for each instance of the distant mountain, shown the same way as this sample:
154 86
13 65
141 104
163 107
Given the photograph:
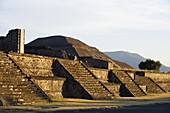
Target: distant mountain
133 59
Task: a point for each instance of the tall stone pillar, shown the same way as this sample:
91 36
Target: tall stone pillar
21 40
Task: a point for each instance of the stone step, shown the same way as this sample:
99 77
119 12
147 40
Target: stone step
102 95
22 86
83 75
10 74
13 76
18 91
9 67
12 79
71 65
87 82
6 64
3 57
10 71
92 85
75 66
98 91
5 61
10 92
26 67
17 88
95 89
79 71
6 68
16 83
123 78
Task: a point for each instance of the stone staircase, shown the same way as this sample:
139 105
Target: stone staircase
129 83
88 81
152 87
15 87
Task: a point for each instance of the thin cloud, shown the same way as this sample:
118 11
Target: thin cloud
89 20
80 14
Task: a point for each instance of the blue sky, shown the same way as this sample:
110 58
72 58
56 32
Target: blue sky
138 26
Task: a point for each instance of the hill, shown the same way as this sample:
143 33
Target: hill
133 59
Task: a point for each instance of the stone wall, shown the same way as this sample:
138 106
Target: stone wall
34 65
14 41
148 84
96 63
101 74
53 87
162 79
113 88
165 86
159 77
46 51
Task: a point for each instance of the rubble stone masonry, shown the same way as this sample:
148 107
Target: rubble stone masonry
14 41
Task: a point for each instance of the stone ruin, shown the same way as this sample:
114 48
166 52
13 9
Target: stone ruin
58 67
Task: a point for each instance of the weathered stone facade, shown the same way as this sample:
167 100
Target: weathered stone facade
72 70
101 74
162 79
53 87
14 41
43 71
148 84
34 65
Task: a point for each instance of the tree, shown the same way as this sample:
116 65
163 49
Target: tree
150 65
